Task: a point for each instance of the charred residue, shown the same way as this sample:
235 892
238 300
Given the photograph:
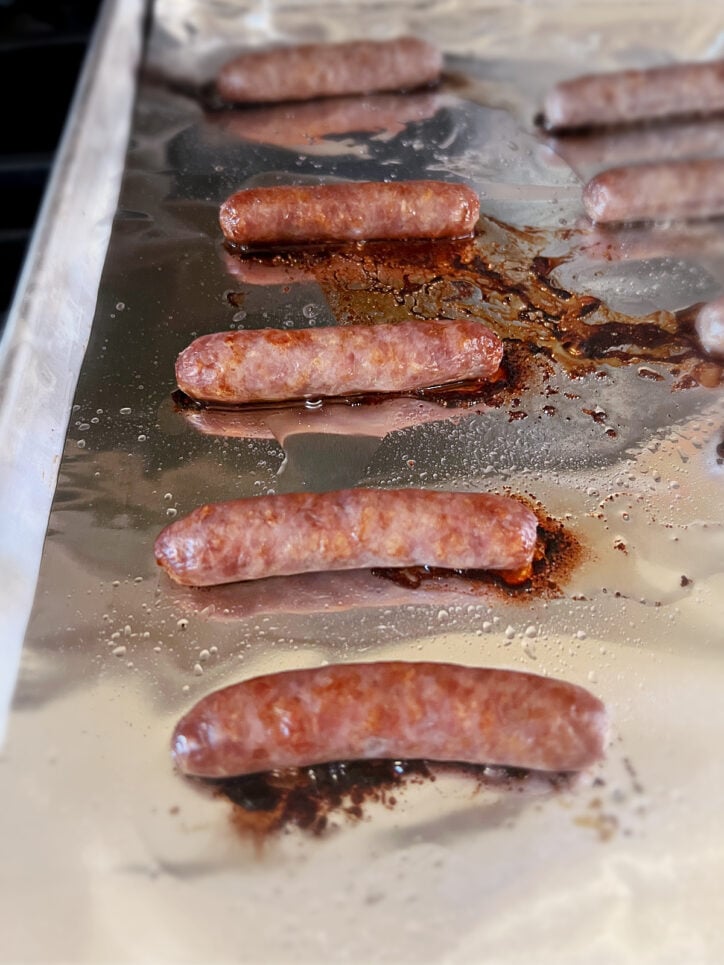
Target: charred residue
318 799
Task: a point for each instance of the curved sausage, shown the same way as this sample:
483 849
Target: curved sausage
661 191
278 364
710 327
307 71
249 539
395 710
621 97
349 211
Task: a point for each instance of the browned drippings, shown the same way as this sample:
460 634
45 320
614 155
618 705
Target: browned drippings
501 277
557 553
312 798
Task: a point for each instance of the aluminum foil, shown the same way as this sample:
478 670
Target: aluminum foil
128 861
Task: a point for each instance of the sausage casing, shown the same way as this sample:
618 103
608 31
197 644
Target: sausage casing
349 211
397 710
622 97
660 191
266 365
328 70
248 539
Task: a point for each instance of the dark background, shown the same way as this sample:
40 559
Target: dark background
42 48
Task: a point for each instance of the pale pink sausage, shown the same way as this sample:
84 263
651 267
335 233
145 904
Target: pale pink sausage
626 96
393 710
349 211
307 71
263 365
249 539
660 191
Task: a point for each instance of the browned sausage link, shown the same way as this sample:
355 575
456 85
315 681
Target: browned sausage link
274 364
663 191
350 211
248 539
327 70
622 97
397 710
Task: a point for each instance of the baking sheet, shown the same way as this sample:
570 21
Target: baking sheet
47 328
132 863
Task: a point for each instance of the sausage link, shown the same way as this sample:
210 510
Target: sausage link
327 70
394 710
275 364
661 191
710 327
349 211
622 97
249 539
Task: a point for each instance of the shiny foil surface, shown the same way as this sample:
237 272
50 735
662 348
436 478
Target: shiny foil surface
610 425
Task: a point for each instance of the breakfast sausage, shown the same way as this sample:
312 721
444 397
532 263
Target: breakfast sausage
623 97
393 710
660 191
307 71
710 327
349 211
249 539
279 364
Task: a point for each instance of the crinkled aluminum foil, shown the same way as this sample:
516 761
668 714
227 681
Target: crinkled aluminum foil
125 861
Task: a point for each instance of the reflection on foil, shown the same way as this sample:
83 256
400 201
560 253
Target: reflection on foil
326 128
344 436
590 153
327 418
320 593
